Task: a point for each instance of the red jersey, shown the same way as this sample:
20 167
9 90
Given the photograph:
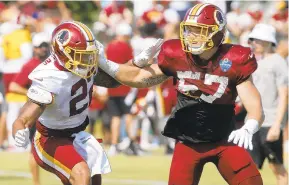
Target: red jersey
206 94
215 83
22 77
119 52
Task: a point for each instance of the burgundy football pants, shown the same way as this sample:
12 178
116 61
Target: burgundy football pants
234 164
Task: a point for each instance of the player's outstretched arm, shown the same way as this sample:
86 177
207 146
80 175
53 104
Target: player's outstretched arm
107 73
29 114
134 76
105 80
251 100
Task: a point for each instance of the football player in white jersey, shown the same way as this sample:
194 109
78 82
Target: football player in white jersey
59 97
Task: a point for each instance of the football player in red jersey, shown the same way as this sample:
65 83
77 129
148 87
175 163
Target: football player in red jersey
208 75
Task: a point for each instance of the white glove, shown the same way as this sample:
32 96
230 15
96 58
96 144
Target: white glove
22 138
243 136
145 57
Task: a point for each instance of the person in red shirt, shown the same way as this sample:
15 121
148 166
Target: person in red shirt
120 51
98 110
154 15
21 83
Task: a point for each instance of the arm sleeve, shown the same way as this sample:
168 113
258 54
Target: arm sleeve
281 73
246 67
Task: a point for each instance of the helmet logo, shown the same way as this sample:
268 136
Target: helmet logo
219 18
63 37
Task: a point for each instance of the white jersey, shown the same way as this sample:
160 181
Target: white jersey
72 95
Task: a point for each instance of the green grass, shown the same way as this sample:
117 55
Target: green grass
146 170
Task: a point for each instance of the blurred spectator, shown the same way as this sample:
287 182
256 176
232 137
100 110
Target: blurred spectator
119 50
148 34
271 74
280 19
45 17
3 128
141 6
282 48
115 13
245 23
181 7
21 83
16 50
233 18
97 111
153 15
171 29
256 11
10 12
166 100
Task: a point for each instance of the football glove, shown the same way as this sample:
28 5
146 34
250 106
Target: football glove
243 136
22 138
145 57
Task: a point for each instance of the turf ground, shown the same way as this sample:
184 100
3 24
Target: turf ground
127 170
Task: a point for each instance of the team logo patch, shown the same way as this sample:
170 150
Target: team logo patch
225 64
219 18
63 37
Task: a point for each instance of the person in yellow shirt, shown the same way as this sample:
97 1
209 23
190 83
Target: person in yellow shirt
15 50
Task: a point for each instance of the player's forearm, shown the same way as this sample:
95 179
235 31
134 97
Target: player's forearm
14 87
282 105
19 124
134 76
29 114
251 100
253 106
139 77
255 112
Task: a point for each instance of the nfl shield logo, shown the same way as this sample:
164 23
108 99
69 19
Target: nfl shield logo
225 64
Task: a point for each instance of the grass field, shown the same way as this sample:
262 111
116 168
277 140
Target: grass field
146 170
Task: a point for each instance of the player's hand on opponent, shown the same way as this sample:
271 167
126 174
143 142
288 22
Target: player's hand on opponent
22 138
145 58
243 136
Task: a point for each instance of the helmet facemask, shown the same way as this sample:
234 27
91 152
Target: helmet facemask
197 38
83 63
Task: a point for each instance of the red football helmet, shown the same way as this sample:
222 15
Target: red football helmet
75 46
203 28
